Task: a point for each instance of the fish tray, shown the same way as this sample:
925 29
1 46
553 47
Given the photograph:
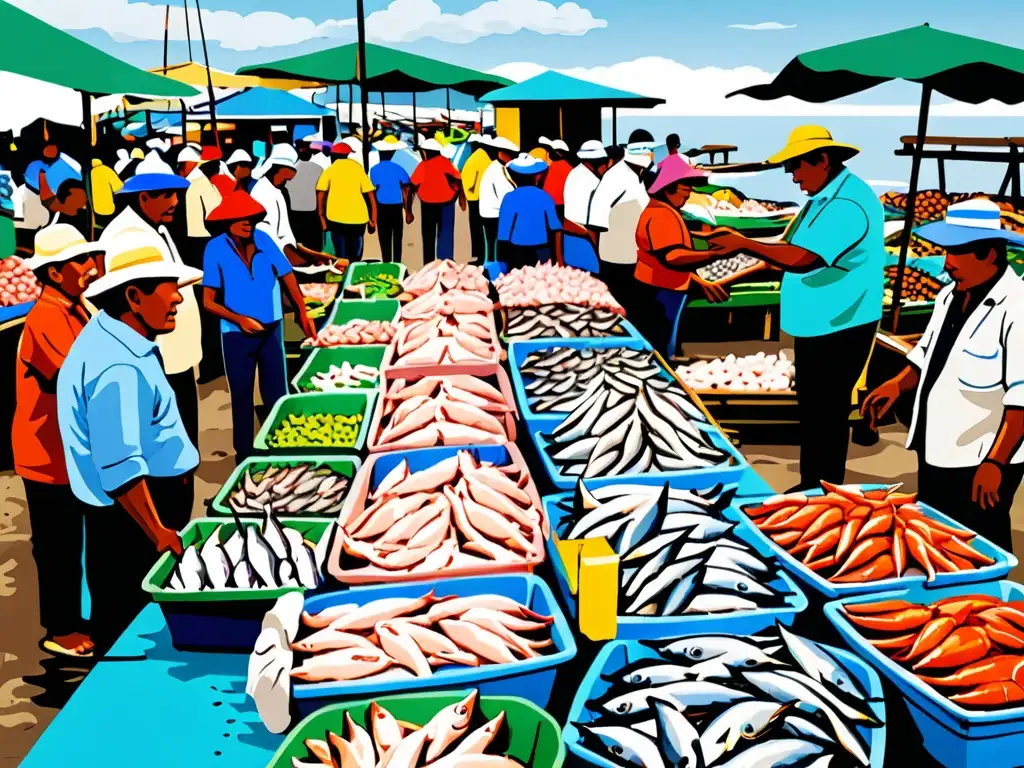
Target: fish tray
385 310
535 740
499 380
657 627
357 270
376 469
1004 561
347 466
532 679
628 331
322 358
614 656
219 620
952 734
487 367
342 403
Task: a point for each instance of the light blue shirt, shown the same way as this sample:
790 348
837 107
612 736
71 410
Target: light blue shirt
117 413
843 224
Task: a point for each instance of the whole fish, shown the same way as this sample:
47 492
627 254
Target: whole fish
627 746
684 694
778 752
677 738
746 720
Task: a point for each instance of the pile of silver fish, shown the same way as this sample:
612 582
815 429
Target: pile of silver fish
616 432
561 321
561 379
449 740
249 557
723 269
677 553
406 637
301 489
718 700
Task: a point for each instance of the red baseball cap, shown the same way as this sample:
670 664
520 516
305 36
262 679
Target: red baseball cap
341 149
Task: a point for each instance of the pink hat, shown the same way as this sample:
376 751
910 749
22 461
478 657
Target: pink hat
674 169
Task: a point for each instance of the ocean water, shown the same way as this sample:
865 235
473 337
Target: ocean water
877 137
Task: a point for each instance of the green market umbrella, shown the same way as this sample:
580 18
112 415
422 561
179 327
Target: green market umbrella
963 68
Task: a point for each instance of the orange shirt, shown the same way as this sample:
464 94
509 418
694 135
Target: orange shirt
660 227
51 327
554 184
436 180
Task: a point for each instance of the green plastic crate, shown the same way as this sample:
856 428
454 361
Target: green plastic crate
360 270
744 295
347 466
385 310
345 403
322 359
535 739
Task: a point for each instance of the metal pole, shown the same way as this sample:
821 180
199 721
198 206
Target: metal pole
363 94
167 25
87 165
915 172
188 30
209 78
184 122
383 107
337 106
415 130
615 125
349 107
448 101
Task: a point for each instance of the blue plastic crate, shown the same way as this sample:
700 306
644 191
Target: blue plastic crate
532 679
952 734
652 628
614 656
1004 561
628 332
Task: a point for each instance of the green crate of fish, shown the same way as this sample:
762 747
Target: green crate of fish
383 310
338 368
375 280
492 731
214 597
322 422
293 486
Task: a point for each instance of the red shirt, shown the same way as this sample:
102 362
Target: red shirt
436 180
51 327
554 184
660 227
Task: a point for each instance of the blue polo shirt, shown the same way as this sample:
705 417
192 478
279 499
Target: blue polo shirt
389 178
117 413
250 291
527 217
843 224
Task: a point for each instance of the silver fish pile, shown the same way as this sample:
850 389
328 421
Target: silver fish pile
677 553
561 321
614 432
456 737
718 700
723 269
302 489
249 557
406 637
560 379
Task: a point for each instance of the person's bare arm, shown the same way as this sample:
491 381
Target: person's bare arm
988 479
321 209
371 205
688 259
291 287
559 249
461 194
787 256
137 502
877 404
212 305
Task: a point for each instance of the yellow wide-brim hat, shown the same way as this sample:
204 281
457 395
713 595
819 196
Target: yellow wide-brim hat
138 256
810 138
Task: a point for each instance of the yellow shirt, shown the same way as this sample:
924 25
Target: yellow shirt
541 154
473 174
105 184
345 183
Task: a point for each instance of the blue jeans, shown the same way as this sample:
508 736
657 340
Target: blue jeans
438 227
243 354
347 240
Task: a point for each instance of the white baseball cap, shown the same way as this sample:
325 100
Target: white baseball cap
592 150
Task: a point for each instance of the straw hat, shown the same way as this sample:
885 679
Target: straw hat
810 138
390 144
675 169
136 256
237 206
59 243
969 222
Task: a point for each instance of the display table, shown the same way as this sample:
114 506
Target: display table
148 704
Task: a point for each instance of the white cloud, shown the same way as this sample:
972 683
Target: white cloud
764 26
703 91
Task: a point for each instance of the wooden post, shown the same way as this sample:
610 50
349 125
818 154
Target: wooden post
448 102
415 130
188 30
561 124
87 164
209 78
361 70
908 224
337 104
615 125
349 107
383 106
167 25
149 123
942 175
184 122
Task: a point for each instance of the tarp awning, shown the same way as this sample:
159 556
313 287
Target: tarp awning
553 86
263 104
195 74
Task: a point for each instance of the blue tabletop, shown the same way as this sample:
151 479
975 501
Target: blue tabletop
147 703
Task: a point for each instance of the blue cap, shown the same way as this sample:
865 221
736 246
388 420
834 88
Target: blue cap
59 173
32 174
153 182
527 165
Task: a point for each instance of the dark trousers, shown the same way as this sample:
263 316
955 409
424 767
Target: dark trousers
57 517
627 290
390 229
655 311
490 238
438 227
187 397
347 240
120 554
306 226
243 354
949 491
477 243
516 256
829 370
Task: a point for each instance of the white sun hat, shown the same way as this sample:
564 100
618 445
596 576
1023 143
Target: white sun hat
559 145
283 155
500 142
544 141
239 156
138 256
592 150
188 155
390 144
59 243
432 145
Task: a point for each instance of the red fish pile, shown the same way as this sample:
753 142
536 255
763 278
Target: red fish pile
446 276
552 284
852 536
410 637
970 648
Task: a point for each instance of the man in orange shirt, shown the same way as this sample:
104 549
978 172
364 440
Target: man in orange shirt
64 263
558 172
438 184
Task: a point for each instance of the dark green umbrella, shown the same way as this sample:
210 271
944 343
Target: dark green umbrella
963 68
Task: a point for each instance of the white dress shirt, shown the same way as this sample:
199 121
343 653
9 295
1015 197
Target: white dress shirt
578 192
276 224
983 375
615 211
494 185
182 348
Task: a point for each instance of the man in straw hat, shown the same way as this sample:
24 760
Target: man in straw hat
833 254
472 178
347 204
967 376
393 187
64 263
128 455
438 184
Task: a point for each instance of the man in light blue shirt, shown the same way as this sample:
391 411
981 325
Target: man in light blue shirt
128 455
833 255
